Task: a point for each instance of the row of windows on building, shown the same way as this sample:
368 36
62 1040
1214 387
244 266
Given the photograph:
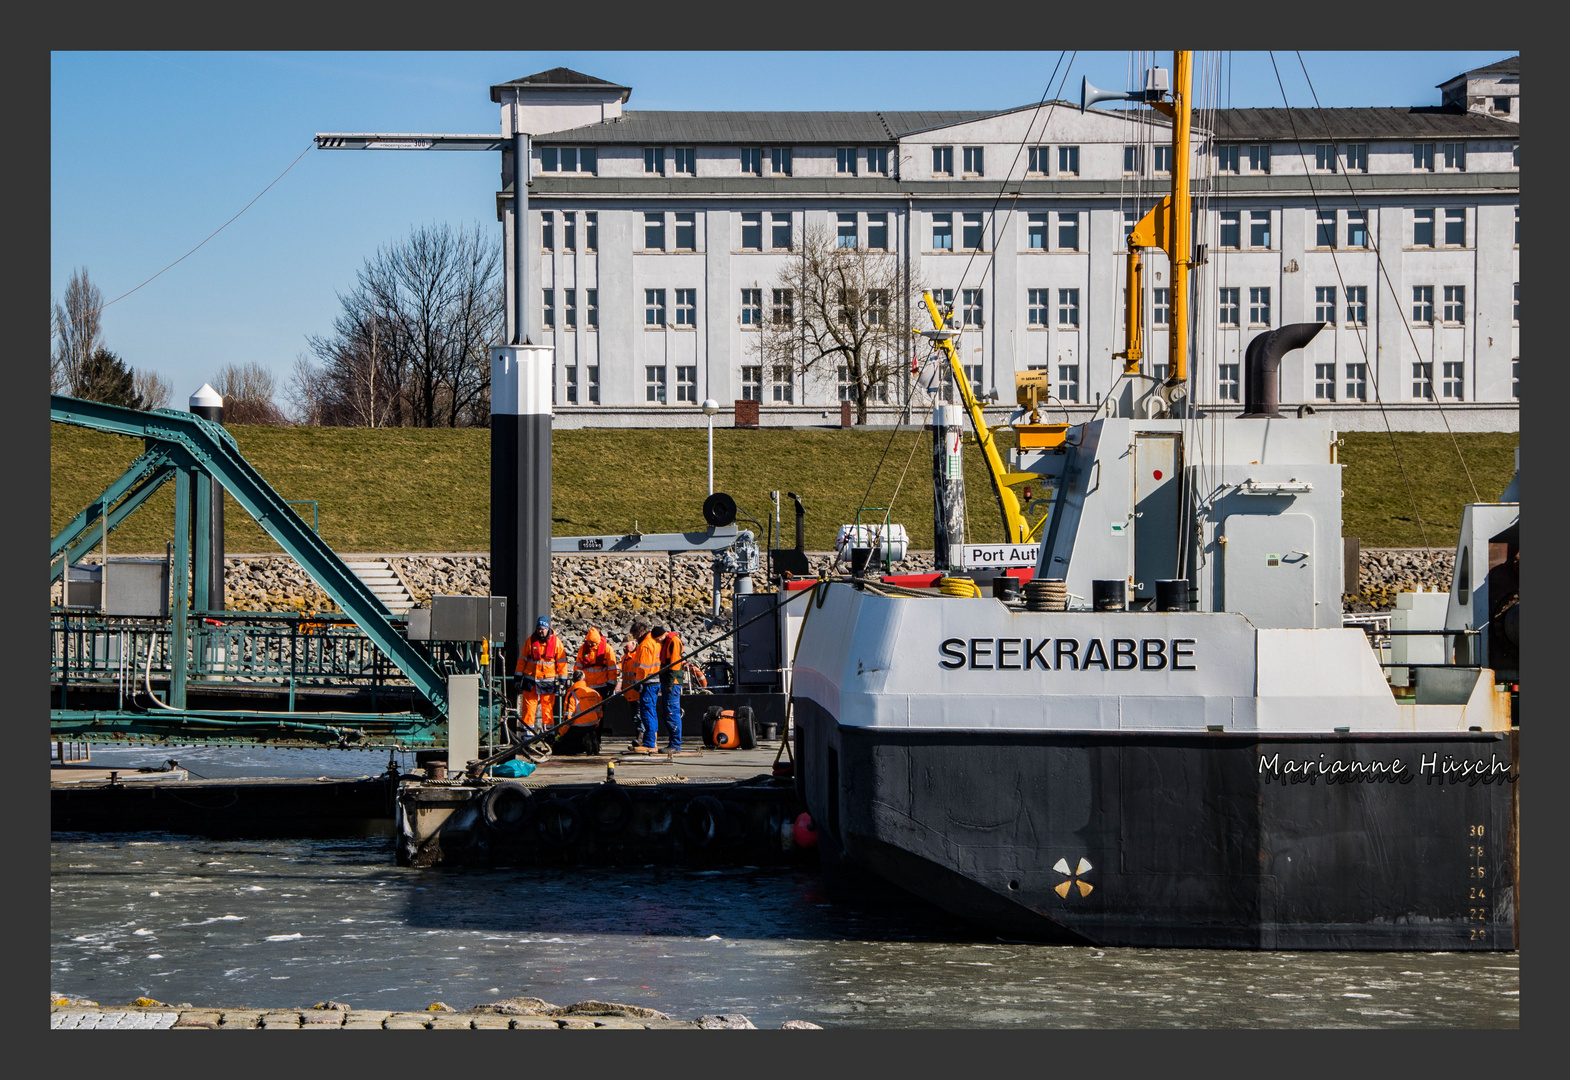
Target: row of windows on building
1040 307
1231 158
1058 230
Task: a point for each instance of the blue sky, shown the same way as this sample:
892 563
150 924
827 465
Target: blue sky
150 152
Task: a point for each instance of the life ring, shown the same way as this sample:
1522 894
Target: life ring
558 821
703 819
507 807
608 808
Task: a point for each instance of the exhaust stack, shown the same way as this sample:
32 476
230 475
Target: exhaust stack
1262 361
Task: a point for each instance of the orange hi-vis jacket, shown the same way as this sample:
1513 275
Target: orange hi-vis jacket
670 659
597 662
583 698
541 663
644 660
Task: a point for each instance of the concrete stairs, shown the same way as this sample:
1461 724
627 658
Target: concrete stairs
379 575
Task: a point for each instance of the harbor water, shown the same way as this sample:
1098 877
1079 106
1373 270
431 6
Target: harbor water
279 923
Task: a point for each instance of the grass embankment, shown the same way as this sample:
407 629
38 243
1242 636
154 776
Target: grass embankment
428 490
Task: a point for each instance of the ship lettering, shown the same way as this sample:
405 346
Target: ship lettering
1312 770
1152 660
1095 653
1123 654
1468 771
1072 650
1067 654
953 651
1035 655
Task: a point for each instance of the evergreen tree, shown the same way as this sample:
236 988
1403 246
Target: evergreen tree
106 378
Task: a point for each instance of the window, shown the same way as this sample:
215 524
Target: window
1423 380
1068 307
1451 385
752 382
1324 382
877 307
1423 156
654 160
1259 307
686 307
1227 159
654 307
780 238
1357 228
1325 229
572 384
1133 159
686 232
944 298
975 163
1357 305
1229 311
1068 382
845 161
569 308
784 389
1325 304
1231 230
654 384
1068 161
591 313
1038 160
1455 226
1130 219
594 384
1455 305
1515 378
1515 156
1040 300
569 231
1068 231
1036 232
547 231
548 307
591 230
568 159
846 304
1325 161
1259 228
942 161
1356 159
752 231
847 229
1515 311
779 161
1422 228
1163 159
1259 159
942 232
970 232
878 160
973 303
687 160
1357 382
752 161
973 373
1502 104
687 384
1517 240
1227 382
1159 371
1455 156
1423 304
845 387
783 310
878 231
654 232
752 307
1160 307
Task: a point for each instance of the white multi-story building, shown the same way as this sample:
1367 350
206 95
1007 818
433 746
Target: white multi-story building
660 241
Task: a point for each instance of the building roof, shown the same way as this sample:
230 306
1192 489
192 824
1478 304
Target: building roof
1510 65
560 78
784 128
1309 125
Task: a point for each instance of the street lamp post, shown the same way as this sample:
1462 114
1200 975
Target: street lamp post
710 407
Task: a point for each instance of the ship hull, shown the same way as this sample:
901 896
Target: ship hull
1192 840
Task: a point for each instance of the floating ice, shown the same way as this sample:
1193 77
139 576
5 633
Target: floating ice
285 937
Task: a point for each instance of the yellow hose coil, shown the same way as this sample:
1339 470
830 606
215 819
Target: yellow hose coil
959 586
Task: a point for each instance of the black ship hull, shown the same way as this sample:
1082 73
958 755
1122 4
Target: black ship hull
1203 840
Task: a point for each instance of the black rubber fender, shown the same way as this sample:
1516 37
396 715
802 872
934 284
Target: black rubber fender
558 822
507 807
746 728
608 809
703 820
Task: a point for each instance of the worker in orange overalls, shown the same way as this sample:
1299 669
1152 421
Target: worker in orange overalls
541 661
671 669
598 663
639 666
579 731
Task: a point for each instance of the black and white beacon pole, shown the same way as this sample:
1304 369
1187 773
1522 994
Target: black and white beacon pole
521 486
209 405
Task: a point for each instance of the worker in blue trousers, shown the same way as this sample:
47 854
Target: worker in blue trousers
671 668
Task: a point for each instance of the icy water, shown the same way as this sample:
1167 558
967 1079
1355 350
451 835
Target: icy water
288 923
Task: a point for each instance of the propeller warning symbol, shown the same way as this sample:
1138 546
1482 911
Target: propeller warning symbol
1075 877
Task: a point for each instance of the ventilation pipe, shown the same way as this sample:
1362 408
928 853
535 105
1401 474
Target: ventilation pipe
1262 362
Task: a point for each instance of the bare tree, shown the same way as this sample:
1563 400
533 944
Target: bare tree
247 391
835 314
78 334
411 346
154 390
